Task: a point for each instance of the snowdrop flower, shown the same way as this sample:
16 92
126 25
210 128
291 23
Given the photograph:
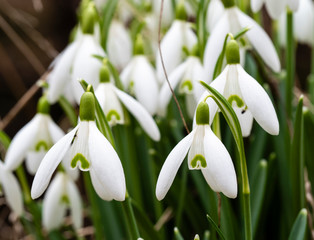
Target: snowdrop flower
119 45
167 13
214 12
186 75
233 21
140 78
33 140
61 195
179 35
274 7
89 151
110 99
244 93
205 152
11 189
303 24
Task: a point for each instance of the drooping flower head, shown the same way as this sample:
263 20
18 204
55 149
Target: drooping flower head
244 93
87 150
205 152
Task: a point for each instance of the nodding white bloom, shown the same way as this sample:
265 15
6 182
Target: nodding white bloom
62 194
11 190
33 140
119 45
303 24
179 36
89 151
167 13
233 21
186 75
244 93
205 152
139 77
110 99
274 7
214 12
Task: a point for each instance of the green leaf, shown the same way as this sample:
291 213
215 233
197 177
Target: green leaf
108 14
177 234
68 110
258 192
212 222
4 139
299 226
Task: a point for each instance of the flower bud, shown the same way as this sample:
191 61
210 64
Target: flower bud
104 74
43 105
88 19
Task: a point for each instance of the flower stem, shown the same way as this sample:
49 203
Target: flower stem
289 63
129 213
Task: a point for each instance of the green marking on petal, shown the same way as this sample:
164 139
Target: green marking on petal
237 99
186 86
80 158
198 162
65 199
41 145
113 115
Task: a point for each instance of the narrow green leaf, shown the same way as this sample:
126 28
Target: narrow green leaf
68 110
108 14
299 226
177 234
212 222
4 139
258 191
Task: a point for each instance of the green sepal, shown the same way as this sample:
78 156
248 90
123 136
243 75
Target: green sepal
232 52
202 114
87 107
43 105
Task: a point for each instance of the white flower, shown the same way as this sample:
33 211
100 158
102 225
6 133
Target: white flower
187 75
90 151
275 7
85 65
11 190
167 13
247 98
109 98
205 152
214 12
233 21
32 142
140 77
119 45
61 195
303 24
178 36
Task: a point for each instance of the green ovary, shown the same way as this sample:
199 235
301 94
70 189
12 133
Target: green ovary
237 99
198 162
113 115
80 158
41 145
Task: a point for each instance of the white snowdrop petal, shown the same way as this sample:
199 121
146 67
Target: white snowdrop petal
293 4
256 5
50 163
12 190
171 165
60 76
33 160
99 187
66 163
303 22
258 102
140 113
214 46
126 74
106 164
165 92
219 166
54 209
246 120
197 148
260 41
275 8
55 131
75 204
85 66
145 84
21 143
214 12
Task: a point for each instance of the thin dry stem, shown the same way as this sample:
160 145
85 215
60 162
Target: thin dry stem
164 69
